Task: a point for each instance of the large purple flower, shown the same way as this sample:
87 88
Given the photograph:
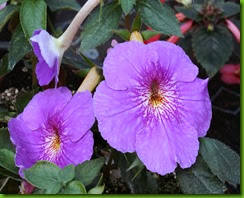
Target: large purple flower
54 126
152 102
49 52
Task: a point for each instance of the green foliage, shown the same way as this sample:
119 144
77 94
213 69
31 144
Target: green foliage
4 69
229 9
223 161
18 48
199 179
123 33
189 12
97 190
22 100
160 17
147 34
67 173
74 187
89 170
97 31
6 14
56 5
136 25
33 15
212 48
7 160
127 5
3 1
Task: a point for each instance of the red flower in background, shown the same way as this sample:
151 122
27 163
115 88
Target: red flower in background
230 74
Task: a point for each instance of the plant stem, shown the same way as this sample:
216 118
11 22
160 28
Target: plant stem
33 67
127 22
69 34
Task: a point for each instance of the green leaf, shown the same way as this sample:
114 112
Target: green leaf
4 66
96 31
137 162
7 173
6 14
7 160
18 47
123 33
33 15
127 5
199 179
56 5
189 12
136 25
223 161
97 190
147 34
67 173
87 171
5 142
22 100
74 187
212 49
229 9
159 17
44 175
87 60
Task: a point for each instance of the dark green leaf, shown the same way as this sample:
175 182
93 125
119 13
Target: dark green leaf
7 160
147 34
229 9
44 175
212 48
152 185
55 5
5 142
127 5
33 15
19 46
3 113
67 173
6 14
136 25
87 171
159 17
74 187
136 163
87 60
96 31
7 173
97 190
189 12
123 33
22 100
4 66
199 179
223 161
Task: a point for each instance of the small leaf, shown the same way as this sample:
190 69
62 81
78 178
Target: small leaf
189 12
137 162
87 60
96 31
87 171
147 34
33 15
97 190
56 5
7 173
7 160
6 13
5 142
136 25
22 100
223 161
44 175
123 33
4 66
74 187
229 9
18 47
212 49
127 5
67 173
199 179
159 17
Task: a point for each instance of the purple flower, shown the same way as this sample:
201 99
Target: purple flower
3 5
49 52
54 126
152 102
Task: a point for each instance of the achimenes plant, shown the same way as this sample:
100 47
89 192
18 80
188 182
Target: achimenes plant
151 105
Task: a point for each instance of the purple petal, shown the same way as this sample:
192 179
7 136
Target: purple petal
117 116
3 5
77 152
196 105
125 63
154 150
78 116
45 104
174 59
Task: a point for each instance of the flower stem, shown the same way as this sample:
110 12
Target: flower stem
69 34
92 79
